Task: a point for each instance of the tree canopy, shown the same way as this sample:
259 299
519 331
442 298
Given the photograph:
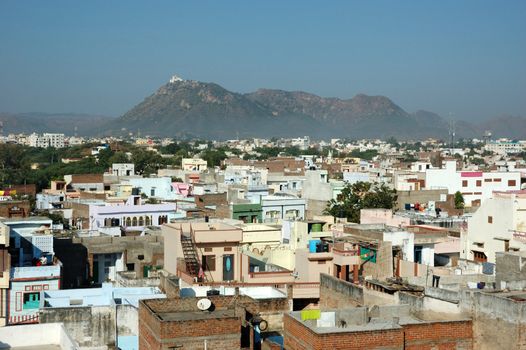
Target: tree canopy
361 195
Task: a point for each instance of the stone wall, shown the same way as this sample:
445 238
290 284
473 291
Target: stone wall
339 294
89 326
498 321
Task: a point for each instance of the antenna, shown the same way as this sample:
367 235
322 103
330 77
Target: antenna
204 304
451 131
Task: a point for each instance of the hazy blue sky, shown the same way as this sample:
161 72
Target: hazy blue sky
466 57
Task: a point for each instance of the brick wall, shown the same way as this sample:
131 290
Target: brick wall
219 333
439 335
426 336
299 337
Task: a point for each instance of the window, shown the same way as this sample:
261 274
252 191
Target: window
130 267
147 221
134 221
488 180
479 256
152 192
141 221
209 262
490 219
464 183
227 249
31 301
497 179
292 214
479 183
512 182
128 221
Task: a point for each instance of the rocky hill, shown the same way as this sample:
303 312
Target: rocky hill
186 107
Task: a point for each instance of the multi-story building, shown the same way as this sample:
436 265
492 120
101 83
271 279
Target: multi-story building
46 140
34 268
211 250
5 268
499 225
506 146
280 207
475 186
123 169
194 164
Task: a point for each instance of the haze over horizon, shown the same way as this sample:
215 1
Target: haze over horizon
465 58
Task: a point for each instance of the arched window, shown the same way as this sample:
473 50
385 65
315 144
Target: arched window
147 221
128 221
141 221
134 221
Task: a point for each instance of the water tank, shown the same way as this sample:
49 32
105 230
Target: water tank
312 245
316 228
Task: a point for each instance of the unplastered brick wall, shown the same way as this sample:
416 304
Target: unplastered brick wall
299 337
439 335
154 333
442 335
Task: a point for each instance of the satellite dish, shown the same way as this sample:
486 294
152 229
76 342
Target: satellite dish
204 304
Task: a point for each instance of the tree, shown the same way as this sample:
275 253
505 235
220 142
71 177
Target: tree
361 195
459 200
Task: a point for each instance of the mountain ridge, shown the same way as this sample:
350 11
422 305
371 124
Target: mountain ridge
193 109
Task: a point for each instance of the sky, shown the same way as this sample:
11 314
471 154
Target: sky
463 58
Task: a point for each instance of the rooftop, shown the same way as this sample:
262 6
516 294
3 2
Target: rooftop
361 319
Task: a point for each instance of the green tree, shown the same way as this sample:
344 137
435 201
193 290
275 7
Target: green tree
361 195
459 200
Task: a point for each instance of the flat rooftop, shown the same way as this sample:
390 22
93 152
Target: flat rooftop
362 319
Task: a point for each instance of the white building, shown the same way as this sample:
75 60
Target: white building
499 225
474 185
506 146
46 140
280 207
123 169
193 164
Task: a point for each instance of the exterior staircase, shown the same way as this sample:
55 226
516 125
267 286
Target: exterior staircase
190 256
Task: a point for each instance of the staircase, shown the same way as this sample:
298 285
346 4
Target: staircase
190 256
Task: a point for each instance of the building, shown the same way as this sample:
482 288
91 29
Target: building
240 320
505 146
34 267
37 336
248 213
499 225
280 206
46 140
131 216
97 317
193 164
381 327
154 187
475 186
123 169
5 270
203 248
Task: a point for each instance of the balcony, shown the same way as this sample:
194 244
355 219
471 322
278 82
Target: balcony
346 257
35 272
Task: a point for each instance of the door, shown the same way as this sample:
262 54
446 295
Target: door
228 267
